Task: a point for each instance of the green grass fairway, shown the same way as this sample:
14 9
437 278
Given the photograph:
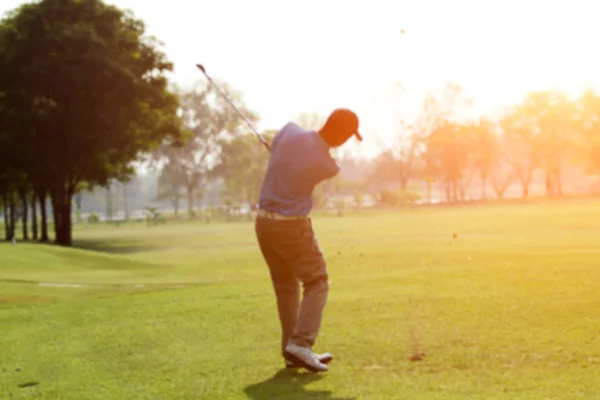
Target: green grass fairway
509 309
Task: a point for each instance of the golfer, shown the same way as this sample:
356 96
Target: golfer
299 160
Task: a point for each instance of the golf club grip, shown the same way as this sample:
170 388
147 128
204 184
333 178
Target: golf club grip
260 137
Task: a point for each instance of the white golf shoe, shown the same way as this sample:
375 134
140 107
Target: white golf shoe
324 358
304 357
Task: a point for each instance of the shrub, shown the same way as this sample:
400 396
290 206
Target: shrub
397 197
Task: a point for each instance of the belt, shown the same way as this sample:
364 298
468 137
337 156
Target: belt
277 216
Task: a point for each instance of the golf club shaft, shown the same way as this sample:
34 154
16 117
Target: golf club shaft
262 139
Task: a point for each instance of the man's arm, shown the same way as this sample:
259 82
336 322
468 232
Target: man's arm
327 167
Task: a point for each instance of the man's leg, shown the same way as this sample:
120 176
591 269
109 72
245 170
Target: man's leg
285 246
284 281
309 265
311 269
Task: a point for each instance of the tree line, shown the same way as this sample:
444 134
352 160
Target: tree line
544 132
84 94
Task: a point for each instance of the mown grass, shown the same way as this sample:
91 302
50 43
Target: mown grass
502 300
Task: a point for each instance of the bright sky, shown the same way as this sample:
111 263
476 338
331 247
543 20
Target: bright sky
315 55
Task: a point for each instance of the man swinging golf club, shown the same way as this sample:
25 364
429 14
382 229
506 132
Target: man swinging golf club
299 160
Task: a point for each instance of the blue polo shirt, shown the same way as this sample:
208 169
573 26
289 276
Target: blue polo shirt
299 160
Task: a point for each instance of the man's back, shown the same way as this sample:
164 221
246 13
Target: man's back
300 159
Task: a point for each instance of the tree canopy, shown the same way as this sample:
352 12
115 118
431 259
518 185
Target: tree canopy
84 93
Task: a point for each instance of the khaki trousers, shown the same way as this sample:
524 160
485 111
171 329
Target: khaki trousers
292 254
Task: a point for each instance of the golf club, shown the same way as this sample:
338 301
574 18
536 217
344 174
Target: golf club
262 139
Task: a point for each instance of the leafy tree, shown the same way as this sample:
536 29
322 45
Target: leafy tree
436 126
447 156
410 136
552 117
34 216
386 169
521 145
502 175
485 147
243 163
93 87
587 118
13 147
209 121
171 181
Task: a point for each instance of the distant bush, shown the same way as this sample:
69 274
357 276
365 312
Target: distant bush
93 218
397 197
154 217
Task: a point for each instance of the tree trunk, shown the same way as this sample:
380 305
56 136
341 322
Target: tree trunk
455 193
24 219
500 187
13 216
6 216
549 182
78 201
190 199
525 183
66 222
484 179
126 209
499 193
42 196
56 217
61 205
109 202
176 204
404 178
34 225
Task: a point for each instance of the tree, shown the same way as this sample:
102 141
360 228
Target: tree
587 119
410 136
502 174
552 117
171 181
522 150
13 147
209 121
447 157
242 166
486 152
24 212
94 90
385 170
34 217
435 130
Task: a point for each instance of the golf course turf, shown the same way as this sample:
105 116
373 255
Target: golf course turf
487 302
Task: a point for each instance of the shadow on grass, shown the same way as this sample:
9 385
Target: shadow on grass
112 247
289 384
